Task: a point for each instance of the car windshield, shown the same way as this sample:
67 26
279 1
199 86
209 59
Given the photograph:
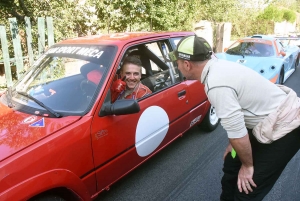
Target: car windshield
63 81
251 48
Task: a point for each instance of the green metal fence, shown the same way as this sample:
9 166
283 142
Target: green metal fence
13 61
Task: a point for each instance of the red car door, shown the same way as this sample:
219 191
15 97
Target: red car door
120 143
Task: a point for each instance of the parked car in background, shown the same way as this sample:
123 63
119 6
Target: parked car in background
266 55
61 137
289 41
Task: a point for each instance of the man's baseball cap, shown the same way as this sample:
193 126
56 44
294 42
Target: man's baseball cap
192 48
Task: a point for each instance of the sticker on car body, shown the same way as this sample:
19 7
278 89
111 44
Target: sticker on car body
29 120
84 51
101 134
39 123
194 121
241 61
152 127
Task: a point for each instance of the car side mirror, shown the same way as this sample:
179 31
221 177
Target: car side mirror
282 53
120 107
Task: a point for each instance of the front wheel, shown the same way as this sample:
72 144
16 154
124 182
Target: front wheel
210 121
281 76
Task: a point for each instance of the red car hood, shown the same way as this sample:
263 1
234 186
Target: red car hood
19 130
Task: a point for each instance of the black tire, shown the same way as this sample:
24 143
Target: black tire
48 198
281 76
210 121
297 63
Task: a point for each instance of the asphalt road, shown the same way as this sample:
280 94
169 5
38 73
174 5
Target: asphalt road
190 169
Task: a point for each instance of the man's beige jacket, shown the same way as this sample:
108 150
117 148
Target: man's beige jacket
282 121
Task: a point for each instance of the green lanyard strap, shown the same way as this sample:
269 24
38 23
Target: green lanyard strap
233 153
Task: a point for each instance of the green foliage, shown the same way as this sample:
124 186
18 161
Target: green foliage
72 18
274 13
144 15
69 17
287 4
252 27
271 13
217 11
289 15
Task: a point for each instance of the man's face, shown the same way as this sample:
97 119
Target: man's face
132 73
183 67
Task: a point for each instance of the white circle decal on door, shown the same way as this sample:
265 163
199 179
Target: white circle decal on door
152 128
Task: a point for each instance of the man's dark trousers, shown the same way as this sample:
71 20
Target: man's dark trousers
269 161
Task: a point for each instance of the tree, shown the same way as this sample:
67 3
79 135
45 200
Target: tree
69 16
217 11
147 15
272 13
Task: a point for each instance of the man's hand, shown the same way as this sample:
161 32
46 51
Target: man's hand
119 85
227 150
245 181
243 149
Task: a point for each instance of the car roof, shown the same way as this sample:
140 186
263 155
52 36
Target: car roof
264 37
121 38
259 39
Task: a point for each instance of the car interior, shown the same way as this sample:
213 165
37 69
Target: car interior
87 86
158 73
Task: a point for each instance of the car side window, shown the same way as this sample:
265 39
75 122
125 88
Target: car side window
165 74
279 45
158 72
175 41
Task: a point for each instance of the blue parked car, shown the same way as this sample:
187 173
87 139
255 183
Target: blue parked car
267 55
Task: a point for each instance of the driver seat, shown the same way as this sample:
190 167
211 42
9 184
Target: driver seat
149 83
92 76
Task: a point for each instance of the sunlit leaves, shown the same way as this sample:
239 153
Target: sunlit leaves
145 15
289 16
277 14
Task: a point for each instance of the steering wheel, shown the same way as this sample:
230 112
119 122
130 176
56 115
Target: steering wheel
160 82
87 88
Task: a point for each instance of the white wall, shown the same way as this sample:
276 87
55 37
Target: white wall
204 29
284 28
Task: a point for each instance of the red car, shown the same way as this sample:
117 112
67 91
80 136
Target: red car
61 138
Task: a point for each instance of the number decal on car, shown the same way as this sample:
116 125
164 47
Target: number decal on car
241 61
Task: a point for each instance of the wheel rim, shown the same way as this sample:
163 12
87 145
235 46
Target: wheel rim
213 118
